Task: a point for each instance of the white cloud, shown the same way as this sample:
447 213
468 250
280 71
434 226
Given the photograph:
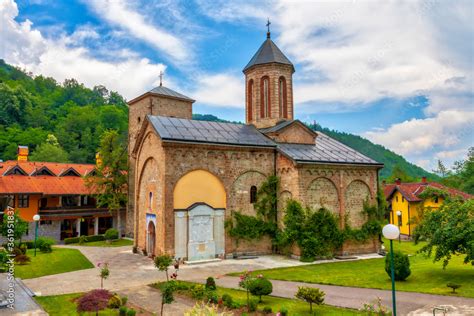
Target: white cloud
224 90
24 46
118 13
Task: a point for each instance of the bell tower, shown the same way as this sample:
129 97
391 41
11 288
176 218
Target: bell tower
268 86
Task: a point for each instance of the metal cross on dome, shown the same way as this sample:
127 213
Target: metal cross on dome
268 27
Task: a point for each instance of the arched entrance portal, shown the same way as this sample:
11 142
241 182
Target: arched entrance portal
150 239
199 204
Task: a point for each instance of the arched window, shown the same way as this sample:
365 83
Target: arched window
265 103
250 101
282 97
150 200
253 194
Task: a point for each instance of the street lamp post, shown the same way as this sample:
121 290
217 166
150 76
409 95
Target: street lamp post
399 216
36 218
392 232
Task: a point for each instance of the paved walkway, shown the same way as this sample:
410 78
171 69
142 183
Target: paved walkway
130 273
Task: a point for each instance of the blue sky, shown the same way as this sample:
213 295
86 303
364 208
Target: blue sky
398 73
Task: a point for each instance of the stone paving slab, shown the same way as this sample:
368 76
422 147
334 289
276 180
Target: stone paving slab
24 304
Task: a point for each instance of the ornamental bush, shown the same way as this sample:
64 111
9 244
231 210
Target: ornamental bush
311 295
211 284
45 244
259 287
115 302
93 301
22 259
111 234
401 264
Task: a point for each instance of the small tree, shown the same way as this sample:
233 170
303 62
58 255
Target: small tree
401 265
19 228
310 295
104 273
162 263
93 301
260 286
109 182
453 286
211 284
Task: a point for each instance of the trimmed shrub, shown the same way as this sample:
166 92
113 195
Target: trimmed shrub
267 310
75 240
93 301
198 291
45 244
211 284
111 234
22 259
227 300
131 312
260 286
401 264
283 311
453 286
82 240
115 302
123 311
212 297
310 295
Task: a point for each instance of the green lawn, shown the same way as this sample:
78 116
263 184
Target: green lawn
59 261
295 307
426 276
103 243
62 305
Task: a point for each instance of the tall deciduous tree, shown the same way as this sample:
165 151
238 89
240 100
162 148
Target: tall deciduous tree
449 231
110 179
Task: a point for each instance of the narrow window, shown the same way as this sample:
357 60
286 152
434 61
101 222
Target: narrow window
396 198
403 199
253 194
436 199
150 201
265 106
23 201
283 108
250 101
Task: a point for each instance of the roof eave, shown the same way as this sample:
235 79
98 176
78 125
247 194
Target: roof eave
248 68
325 162
171 140
146 94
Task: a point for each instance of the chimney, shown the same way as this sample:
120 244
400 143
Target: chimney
398 181
22 153
423 180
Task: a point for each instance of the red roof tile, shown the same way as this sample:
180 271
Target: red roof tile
412 191
47 185
57 168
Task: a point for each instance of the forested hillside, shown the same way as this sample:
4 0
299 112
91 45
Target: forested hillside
64 121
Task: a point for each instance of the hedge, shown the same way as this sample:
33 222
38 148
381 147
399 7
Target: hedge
75 240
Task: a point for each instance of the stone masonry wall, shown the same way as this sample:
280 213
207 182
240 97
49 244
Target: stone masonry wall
273 71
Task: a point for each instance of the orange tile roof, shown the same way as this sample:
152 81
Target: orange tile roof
46 185
57 168
412 191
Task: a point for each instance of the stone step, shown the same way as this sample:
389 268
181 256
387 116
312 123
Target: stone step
195 262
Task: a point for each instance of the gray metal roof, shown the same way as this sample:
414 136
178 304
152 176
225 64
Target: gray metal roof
326 150
268 53
169 93
185 130
275 128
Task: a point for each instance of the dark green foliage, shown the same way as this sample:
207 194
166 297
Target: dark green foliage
310 295
267 310
401 264
317 233
75 240
431 192
111 234
227 300
453 286
266 204
198 291
115 302
283 311
448 230
31 108
45 244
131 312
167 290
260 286
3 260
19 228
210 284
123 311
162 263
462 174
211 297
252 307
249 227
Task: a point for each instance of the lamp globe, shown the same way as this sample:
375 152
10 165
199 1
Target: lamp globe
36 217
390 231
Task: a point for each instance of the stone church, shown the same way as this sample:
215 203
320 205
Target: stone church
188 176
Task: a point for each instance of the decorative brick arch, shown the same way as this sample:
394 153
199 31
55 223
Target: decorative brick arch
240 192
322 192
266 97
357 192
